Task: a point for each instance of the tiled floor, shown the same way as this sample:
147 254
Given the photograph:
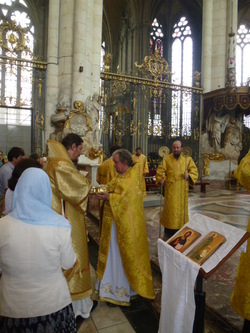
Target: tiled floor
226 206
105 319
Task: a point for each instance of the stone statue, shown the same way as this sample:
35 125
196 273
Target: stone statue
79 122
64 98
92 106
62 111
58 120
216 126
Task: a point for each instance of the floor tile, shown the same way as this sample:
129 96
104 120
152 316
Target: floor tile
88 326
104 317
120 328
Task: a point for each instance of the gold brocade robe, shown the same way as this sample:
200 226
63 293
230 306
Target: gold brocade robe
175 209
125 207
240 299
70 188
142 160
106 171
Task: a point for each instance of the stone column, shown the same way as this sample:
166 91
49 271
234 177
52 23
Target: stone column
74 53
80 37
220 36
87 48
97 42
66 51
52 67
232 14
216 27
207 25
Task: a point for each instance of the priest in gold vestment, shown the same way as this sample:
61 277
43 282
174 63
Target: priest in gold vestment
123 268
175 172
106 171
69 197
240 299
138 157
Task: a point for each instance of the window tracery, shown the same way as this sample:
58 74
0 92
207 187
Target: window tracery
242 61
155 111
17 40
16 71
182 69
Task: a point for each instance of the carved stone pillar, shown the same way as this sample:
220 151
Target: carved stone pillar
74 54
207 36
52 67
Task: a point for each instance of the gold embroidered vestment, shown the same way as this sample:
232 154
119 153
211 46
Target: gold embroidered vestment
240 299
175 209
125 207
70 194
142 160
106 171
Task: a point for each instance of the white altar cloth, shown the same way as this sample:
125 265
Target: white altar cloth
177 299
179 273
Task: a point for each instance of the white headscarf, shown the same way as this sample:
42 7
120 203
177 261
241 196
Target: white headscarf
32 200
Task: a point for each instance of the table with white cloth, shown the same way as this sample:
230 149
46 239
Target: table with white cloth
179 273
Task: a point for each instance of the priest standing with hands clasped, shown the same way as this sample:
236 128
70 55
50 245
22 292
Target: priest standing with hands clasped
175 172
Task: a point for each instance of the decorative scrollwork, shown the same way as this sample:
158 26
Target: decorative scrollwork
16 38
155 66
119 88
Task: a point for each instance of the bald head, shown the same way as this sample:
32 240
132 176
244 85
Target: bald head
177 148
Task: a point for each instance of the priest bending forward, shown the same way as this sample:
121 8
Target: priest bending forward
123 268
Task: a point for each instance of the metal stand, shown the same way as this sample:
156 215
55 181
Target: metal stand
200 297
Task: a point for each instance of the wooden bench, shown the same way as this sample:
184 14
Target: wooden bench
203 185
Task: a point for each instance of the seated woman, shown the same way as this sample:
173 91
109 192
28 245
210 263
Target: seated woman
35 244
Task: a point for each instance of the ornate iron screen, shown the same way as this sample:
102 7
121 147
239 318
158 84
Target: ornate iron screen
128 101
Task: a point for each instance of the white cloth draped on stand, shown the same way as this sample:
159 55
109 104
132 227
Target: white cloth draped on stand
179 273
178 303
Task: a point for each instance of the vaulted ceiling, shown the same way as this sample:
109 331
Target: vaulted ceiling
140 12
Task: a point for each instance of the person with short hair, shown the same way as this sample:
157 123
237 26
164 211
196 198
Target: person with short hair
138 157
70 191
35 245
123 268
1 156
15 155
4 159
106 170
176 171
34 156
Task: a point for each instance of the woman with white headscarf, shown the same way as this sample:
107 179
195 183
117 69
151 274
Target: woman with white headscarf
35 244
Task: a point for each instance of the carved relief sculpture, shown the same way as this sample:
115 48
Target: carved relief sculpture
80 122
58 120
92 106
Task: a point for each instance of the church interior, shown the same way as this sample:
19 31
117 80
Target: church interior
137 73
